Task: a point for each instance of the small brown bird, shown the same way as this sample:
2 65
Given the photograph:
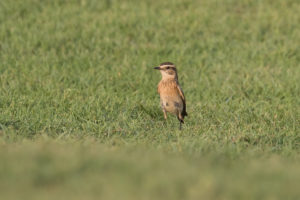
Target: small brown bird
171 95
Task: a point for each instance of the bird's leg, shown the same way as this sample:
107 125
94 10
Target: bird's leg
165 114
179 117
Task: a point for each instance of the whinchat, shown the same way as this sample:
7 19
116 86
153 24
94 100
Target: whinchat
171 95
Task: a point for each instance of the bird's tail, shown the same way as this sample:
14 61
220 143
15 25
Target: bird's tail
184 113
180 118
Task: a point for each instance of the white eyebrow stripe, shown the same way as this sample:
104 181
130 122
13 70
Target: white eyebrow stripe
172 66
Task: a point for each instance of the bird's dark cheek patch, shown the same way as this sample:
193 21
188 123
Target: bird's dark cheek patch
167 104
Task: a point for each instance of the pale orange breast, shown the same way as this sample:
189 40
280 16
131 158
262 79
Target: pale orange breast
170 97
167 88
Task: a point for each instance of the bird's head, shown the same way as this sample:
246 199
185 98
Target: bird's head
167 70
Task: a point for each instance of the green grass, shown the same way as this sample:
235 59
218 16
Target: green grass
80 115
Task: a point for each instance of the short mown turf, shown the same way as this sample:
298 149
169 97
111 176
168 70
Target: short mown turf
80 115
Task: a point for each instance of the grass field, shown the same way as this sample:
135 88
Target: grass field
80 115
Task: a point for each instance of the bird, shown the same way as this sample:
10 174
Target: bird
172 98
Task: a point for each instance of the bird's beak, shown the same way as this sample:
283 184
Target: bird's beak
157 68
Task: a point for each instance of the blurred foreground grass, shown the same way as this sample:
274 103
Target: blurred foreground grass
68 169
80 117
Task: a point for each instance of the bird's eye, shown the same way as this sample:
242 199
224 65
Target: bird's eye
168 67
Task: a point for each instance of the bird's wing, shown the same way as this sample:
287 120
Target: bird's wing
182 98
180 92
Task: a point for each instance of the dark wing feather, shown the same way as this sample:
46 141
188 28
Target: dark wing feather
184 113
